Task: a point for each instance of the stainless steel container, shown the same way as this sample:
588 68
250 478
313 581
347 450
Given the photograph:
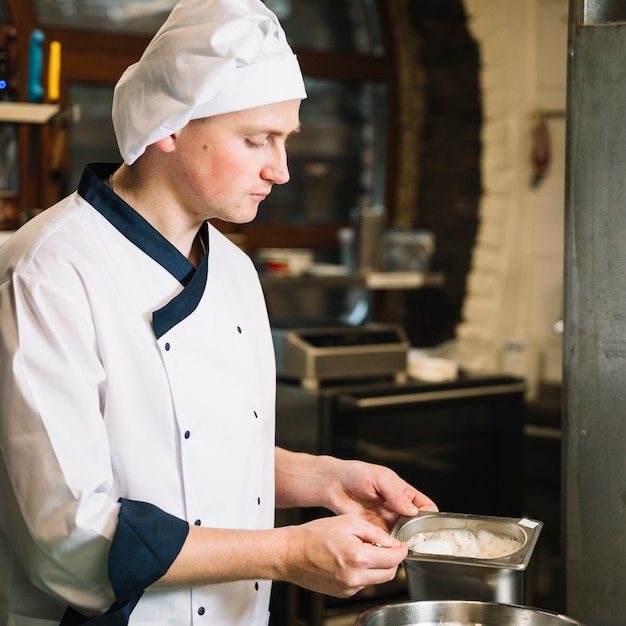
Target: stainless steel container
370 240
460 613
441 577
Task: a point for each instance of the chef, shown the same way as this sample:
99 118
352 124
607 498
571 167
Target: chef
138 473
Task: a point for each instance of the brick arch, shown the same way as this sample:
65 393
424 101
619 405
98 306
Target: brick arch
439 180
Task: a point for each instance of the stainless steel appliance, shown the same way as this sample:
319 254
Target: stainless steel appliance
459 441
313 356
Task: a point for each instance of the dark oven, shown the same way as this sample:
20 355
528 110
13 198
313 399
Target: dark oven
460 442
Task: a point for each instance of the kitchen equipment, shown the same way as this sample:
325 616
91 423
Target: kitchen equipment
315 355
35 91
9 74
442 577
347 249
460 613
285 261
409 250
422 366
54 72
370 239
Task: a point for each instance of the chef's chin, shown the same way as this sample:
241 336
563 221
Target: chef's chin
240 218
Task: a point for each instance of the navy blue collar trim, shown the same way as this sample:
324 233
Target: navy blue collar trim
132 225
184 304
140 232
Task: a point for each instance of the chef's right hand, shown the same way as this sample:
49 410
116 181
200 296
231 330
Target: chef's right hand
340 555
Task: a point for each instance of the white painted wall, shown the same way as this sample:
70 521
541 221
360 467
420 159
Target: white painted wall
548 202
515 285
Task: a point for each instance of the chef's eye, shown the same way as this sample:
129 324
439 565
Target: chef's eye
256 143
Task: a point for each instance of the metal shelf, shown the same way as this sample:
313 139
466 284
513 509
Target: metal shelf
372 281
27 112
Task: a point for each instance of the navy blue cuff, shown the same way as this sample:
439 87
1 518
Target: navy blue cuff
145 544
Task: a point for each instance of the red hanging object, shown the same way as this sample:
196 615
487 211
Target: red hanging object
539 150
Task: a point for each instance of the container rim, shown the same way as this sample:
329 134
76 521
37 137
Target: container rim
442 609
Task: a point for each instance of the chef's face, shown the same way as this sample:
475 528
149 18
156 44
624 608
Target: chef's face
227 164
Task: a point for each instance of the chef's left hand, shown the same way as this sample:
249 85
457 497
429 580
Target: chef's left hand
375 493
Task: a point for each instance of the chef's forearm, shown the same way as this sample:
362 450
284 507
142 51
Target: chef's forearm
215 555
303 479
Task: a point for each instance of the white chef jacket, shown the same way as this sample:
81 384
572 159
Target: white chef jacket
127 374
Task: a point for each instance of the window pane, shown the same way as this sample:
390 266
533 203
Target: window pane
4 12
337 161
142 17
92 138
348 26
9 172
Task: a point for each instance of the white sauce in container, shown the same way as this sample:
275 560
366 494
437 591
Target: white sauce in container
484 544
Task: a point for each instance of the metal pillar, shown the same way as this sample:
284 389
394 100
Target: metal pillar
594 412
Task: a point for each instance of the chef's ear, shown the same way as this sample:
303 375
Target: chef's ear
167 144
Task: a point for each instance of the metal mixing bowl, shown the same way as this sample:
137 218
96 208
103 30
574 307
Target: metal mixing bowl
460 613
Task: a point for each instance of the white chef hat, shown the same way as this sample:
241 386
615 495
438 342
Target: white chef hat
209 57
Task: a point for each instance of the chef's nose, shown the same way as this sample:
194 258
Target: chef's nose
276 170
